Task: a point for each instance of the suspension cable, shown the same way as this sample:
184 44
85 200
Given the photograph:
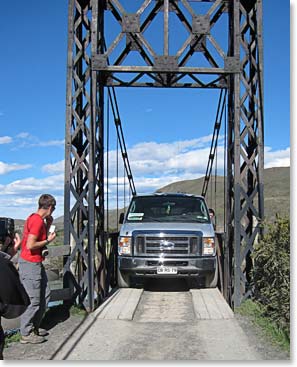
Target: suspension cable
124 190
117 169
107 169
121 140
215 183
214 142
120 134
225 159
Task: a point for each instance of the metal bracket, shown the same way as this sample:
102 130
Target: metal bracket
130 23
200 24
99 62
232 64
166 63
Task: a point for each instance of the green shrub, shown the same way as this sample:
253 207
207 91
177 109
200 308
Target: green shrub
271 273
254 311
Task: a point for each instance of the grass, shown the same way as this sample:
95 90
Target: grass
270 330
76 310
56 310
12 338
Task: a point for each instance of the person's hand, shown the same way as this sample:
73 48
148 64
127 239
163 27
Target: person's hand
51 236
17 242
12 244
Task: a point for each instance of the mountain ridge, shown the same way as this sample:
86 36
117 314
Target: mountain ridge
276 195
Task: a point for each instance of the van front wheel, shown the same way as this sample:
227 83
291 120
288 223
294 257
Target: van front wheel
123 280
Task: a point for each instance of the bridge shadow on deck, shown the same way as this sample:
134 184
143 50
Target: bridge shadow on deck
169 285
54 316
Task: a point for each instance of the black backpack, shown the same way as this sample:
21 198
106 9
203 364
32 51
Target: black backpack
13 297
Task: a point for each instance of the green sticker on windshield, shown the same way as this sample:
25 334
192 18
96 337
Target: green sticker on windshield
135 216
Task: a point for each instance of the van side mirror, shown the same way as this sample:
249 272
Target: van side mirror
121 219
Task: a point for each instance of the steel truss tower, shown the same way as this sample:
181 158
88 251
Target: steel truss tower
172 44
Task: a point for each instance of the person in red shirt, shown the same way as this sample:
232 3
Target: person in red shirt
35 238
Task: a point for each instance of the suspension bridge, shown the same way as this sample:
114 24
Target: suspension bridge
99 62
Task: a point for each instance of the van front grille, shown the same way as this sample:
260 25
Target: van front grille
169 246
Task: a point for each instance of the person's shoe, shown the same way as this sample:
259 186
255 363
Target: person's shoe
41 332
31 339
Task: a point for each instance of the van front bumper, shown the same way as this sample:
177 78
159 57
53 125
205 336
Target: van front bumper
184 267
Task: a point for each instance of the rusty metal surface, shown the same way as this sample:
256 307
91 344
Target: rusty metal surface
96 61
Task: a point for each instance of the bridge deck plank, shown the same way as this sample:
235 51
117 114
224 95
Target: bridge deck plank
112 311
209 304
129 308
223 306
210 301
123 305
200 308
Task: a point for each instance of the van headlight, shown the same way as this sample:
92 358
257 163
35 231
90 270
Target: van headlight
125 246
208 246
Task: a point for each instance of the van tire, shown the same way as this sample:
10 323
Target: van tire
123 280
211 280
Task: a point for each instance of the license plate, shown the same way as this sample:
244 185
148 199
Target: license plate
166 270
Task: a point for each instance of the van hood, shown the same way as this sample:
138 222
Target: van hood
206 228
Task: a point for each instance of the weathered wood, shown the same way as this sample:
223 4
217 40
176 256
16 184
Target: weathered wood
55 251
127 312
200 308
209 304
123 305
222 305
60 294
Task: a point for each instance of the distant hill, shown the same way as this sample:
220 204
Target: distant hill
276 196
276 192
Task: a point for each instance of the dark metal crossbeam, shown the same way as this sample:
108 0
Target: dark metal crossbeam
218 44
155 69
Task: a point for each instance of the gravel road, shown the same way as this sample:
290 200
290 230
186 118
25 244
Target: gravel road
178 337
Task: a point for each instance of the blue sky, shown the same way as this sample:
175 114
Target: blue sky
167 132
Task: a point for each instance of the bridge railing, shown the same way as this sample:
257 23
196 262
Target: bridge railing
224 283
61 293
62 282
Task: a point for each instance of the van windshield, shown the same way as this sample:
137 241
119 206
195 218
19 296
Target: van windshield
168 209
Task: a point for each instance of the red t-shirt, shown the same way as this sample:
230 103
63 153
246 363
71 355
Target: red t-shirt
36 226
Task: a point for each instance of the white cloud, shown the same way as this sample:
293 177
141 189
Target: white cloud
54 168
23 135
20 208
5 139
33 186
151 158
6 168
19 198
26 140
277 158
153 166
49 143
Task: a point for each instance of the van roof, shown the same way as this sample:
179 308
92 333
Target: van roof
171 194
